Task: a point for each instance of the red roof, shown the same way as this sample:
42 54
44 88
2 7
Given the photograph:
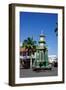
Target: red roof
23 50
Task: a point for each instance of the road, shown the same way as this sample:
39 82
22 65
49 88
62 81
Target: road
31 73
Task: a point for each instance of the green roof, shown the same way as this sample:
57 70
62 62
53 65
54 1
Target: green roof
41 35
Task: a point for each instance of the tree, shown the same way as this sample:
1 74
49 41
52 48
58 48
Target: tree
56 29
30 45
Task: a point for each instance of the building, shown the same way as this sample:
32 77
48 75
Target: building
52 58
41 60
26 60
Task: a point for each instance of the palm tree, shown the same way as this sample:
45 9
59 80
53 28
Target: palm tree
56 29
30 44
24 43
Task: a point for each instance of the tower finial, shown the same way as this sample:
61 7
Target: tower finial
41 32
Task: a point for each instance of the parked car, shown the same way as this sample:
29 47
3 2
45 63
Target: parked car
55 64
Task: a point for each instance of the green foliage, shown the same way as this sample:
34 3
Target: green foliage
29 44
56 29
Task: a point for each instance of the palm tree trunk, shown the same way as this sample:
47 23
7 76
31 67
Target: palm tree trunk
31 61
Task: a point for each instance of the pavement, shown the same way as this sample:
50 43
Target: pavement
30 73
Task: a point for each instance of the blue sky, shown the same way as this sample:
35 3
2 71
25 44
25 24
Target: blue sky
31 24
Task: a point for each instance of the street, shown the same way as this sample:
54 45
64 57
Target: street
31 73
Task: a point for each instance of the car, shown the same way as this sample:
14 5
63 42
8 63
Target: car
55 64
